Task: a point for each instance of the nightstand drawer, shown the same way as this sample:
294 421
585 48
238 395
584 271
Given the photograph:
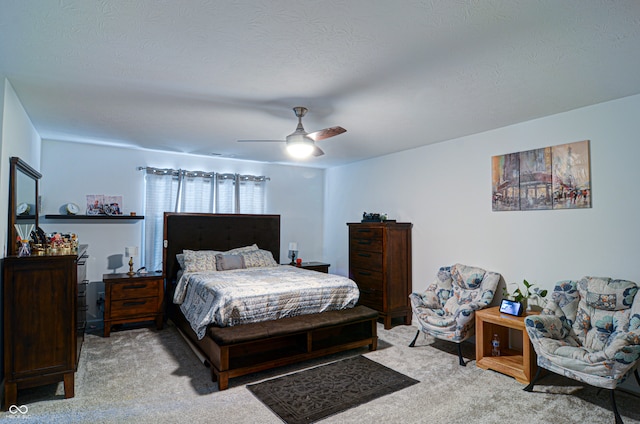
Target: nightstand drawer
134 289
133 307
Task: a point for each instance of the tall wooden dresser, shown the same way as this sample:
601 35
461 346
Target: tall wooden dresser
44 320
380 263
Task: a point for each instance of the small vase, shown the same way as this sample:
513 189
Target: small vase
24 249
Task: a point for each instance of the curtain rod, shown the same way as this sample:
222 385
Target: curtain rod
204 174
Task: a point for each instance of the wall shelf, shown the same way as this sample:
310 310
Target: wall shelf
95 217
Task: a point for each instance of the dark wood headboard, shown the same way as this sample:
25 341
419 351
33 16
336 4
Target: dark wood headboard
204 231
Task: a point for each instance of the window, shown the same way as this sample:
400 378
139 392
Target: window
170 190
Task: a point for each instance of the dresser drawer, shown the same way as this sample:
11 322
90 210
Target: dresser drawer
366 244
367 260
365 278
370 284
365 233
135 289
371 298
134 307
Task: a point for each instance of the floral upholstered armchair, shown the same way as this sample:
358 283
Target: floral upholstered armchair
589 331
446 310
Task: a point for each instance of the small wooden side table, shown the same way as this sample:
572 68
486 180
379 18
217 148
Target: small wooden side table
133 298
515 363
315 266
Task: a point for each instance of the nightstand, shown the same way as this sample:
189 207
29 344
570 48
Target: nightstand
315 266
134 298
519 364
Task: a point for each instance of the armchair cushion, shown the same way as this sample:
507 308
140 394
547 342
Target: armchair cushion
467 277
564 302
607 294
438 292
603 309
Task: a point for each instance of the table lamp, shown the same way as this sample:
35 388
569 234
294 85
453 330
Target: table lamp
293 252
130 252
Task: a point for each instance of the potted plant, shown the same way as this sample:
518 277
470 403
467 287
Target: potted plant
523 295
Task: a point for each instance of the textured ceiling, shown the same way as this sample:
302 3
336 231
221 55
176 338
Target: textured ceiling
195 76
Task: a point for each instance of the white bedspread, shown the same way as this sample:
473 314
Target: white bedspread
242 296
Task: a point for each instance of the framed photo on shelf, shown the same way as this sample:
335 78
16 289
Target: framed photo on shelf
112 205
95 204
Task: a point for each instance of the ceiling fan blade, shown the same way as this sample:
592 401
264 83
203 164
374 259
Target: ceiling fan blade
317 151
326 133
260 141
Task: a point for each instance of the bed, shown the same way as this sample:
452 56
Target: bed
240 349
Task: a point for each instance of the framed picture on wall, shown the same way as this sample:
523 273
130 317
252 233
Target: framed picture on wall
557 177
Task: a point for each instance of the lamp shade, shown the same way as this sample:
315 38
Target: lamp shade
131 251
293 245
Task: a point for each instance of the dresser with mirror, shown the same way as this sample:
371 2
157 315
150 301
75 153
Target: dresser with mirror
43 298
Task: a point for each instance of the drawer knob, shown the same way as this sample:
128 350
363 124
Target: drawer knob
135 303
364 273
364 255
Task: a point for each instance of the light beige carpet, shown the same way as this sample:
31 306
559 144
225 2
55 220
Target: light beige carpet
148 376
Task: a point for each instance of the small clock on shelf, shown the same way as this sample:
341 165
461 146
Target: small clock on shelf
23 209
72 209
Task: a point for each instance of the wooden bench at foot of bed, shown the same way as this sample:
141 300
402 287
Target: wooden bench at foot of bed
244 349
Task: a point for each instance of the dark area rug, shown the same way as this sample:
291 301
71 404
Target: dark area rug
316 393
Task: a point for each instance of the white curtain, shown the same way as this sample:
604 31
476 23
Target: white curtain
197 192
251 194
170 190
161 194
225 196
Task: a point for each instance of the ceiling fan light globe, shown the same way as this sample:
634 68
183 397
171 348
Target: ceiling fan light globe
299 149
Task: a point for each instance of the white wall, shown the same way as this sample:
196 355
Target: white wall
445 191
18 138
71 171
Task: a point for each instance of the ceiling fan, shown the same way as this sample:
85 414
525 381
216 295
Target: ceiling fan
300 143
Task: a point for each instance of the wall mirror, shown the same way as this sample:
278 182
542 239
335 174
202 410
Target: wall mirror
23 200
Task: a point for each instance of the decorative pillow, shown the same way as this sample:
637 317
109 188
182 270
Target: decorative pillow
180 258
607 294
239 250
227 262
200 260
258 258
